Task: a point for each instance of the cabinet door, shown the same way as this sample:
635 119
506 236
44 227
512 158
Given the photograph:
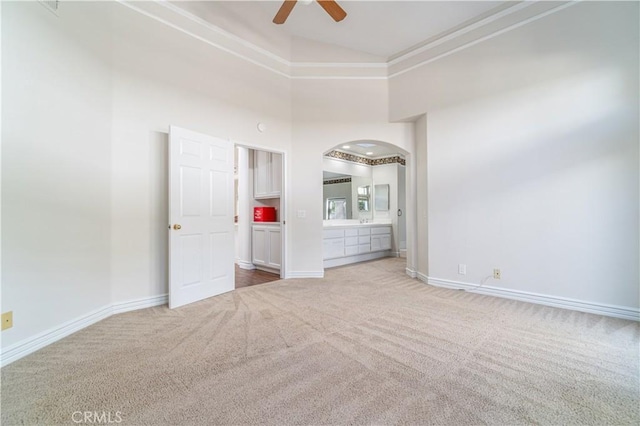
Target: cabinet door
375 243
385 242
259 246
261 173
274 248
275 172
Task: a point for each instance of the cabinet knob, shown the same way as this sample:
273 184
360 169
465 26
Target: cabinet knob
176 227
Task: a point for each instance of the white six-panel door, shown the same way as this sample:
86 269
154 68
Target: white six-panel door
201 241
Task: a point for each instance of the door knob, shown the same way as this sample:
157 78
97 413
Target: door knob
176 227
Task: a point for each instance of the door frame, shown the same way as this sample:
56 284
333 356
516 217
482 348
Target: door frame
283 199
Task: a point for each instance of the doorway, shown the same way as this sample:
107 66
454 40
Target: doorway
259 215
373 177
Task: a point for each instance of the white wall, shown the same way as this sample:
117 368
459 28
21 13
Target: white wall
56 165
327 113
88 99
345 167
164 77
532 149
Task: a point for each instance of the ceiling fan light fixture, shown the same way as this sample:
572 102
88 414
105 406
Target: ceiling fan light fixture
330 6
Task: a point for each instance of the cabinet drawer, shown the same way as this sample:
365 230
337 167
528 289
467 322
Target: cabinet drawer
364 231
351 241
333 248
351 251
333 233
350 232
381 230
364 248
364 240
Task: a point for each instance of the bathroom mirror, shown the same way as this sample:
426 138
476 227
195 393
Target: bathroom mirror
381 193
364 198
356 191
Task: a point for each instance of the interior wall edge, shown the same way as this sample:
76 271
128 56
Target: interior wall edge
31 344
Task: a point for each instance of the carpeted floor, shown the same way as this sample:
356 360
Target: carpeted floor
365 345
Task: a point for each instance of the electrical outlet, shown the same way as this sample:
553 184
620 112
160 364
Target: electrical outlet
7 320
496 273
462 269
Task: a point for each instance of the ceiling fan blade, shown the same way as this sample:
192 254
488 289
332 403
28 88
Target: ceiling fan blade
285 10
333 9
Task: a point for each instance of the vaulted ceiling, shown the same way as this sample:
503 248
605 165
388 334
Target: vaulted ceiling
381 28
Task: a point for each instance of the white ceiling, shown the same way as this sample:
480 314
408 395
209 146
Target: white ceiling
363 148
384 29
381 28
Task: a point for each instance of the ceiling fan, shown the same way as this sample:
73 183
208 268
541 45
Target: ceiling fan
330 6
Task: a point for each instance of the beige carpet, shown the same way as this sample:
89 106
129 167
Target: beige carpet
365 345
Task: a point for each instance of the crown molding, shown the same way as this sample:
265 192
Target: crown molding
500 22
467 37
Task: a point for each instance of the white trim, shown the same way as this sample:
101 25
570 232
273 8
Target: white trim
305 274
40 340
312 68
337 77
248 266
338 64
455 34
484 38
134 305
624 312
224 49
411 272
196 19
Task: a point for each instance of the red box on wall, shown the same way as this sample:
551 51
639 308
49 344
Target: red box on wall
264 214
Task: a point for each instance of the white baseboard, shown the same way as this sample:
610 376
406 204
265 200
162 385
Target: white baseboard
40 340
624 312
134 305
305 274
411 272
246 265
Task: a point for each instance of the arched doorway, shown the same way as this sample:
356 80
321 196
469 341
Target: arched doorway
366 182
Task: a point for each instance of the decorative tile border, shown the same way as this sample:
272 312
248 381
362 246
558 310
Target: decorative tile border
388 160
334 181
367 161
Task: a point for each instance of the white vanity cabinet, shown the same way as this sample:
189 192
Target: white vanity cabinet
349 244
380 239
267 174
266 247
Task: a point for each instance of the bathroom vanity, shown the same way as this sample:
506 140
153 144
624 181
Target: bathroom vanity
351 243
